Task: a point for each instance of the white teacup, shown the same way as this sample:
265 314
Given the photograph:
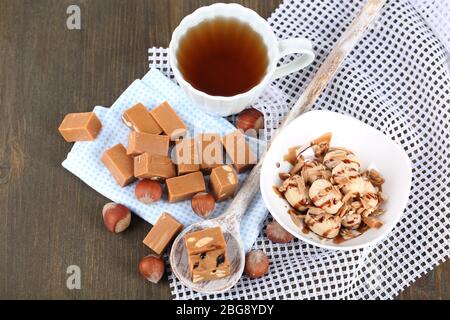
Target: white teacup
224 106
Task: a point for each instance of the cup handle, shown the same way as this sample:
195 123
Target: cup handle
295 45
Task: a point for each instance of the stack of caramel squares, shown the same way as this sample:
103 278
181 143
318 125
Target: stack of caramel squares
146 158
147 155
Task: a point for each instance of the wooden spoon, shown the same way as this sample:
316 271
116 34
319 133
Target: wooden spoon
229 221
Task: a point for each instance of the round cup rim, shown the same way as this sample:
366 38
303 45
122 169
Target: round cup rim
182 28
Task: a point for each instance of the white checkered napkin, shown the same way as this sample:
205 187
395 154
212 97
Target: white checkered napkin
396 79
84 158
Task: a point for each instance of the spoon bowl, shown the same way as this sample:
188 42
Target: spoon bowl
235 253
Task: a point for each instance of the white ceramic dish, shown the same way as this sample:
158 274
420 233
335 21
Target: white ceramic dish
373 148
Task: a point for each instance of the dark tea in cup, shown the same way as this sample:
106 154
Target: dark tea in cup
222 57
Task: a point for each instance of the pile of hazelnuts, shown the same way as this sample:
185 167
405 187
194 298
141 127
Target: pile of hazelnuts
117 217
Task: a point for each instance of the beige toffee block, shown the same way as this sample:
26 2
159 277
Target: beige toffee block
185 187
204 240
207 254
209 265
210 151
139 119
162 233
119 164
186 156
80 126
169 121
224 182
239 151
141 142
154 167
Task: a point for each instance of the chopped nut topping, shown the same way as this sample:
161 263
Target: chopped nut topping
203 242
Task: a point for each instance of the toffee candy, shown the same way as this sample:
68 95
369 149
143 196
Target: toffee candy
169 121
141 142
119 164
224 182
211 151
139 119
185 186
239 151
153 166
209 265
162 233
186 156
80 126
207 254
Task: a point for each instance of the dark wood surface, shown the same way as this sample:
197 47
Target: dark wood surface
48 218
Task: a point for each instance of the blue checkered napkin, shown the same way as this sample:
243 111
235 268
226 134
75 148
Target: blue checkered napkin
84 158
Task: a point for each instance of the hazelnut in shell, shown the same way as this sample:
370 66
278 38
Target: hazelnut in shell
148 191
116 217
152 268
256 264
250 121
203 204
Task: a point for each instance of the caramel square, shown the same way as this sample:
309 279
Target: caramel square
207 254
204 240
169 121
210 151
83 126
224 182
209 265
141 142
186 156
119 164
139 119
239 151
153 166
185 186
162 233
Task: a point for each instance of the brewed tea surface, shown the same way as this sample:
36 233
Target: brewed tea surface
222 57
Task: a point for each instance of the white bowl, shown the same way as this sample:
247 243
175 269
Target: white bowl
374 150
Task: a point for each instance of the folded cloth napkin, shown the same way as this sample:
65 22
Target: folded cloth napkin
153 89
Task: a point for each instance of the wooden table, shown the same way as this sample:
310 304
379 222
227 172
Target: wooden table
48 218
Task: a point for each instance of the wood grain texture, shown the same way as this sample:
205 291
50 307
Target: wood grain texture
48 218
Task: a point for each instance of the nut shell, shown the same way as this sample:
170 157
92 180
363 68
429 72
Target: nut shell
148 191
152 268
277 234
256 264
203 204
250 119
116 217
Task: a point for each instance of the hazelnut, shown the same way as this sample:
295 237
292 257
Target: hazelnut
152 268
250 119
277 234
203 204
116 217
148 191
256 264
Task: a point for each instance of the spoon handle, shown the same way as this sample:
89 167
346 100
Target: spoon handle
326 72
234 212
